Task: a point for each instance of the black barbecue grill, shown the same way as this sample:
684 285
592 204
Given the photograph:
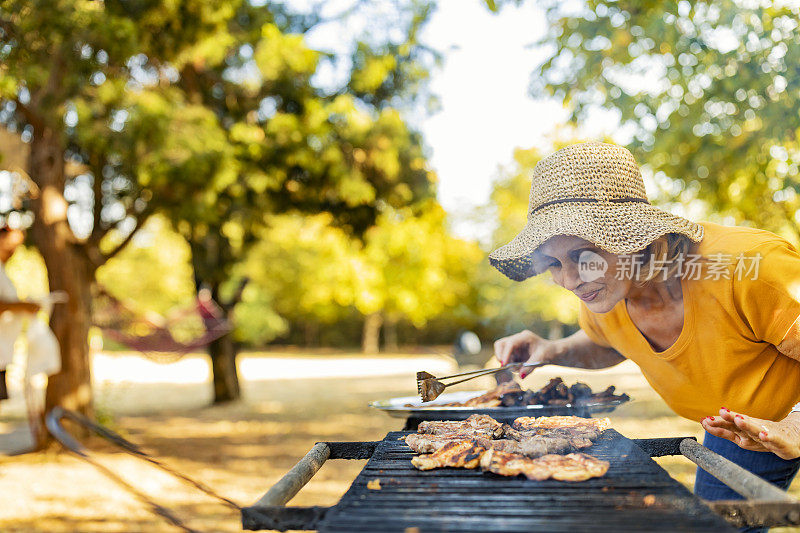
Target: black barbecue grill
635 494
391 495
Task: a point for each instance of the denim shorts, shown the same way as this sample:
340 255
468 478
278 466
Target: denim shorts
765 464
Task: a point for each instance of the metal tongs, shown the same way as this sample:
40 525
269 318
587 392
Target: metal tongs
430 387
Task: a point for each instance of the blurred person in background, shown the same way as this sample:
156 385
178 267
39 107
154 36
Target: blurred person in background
12 310
710 313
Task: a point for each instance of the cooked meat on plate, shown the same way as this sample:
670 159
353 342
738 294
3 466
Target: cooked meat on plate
556 392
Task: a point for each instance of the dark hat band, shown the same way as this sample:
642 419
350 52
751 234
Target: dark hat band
590 200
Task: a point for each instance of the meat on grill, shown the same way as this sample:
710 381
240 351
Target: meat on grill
430 443
457 453
511 464
538 445
535 446
529 423
575 466
536 437
578 433
572 467
476 425
574 438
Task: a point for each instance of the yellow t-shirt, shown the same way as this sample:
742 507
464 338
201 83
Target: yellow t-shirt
725 354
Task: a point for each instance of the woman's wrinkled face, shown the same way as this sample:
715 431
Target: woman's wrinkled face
583 268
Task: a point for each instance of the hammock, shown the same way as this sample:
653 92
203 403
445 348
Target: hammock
152 334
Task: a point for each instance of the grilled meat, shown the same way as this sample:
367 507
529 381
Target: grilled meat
556 392
572 467
504 445
580 390
509 432
459 433
491 398
430 443
477 425
578 437
530 448
511 464
576 432
526 423
575 466
457 453
533 442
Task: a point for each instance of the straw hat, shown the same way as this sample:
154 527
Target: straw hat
594 191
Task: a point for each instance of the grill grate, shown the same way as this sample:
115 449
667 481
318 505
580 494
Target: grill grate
468 500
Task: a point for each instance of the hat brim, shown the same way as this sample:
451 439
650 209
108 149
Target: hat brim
619 228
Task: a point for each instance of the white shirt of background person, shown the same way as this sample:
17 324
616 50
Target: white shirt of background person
11 323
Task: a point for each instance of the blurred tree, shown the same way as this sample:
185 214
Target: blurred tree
74 83
205 111
411 268
408 267
343 149
710 90
296 251
154 272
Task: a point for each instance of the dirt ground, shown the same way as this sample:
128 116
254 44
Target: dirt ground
290 402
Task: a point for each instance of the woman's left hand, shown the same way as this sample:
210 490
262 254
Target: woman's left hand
781 438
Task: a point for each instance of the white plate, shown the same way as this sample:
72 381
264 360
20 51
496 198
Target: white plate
403 402
405 406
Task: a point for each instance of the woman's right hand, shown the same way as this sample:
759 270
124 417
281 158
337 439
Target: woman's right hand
523 347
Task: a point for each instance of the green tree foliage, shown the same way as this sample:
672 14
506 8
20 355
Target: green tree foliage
90 87
153 273
407 268
342 149
711 91
207 112
301 272
411 268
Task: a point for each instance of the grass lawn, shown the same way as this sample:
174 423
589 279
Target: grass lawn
291 401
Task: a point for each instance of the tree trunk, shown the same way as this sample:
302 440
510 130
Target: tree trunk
371 334
223 353
390 335
68 269
311 333
209 254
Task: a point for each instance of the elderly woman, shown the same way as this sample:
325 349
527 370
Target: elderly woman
710 313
